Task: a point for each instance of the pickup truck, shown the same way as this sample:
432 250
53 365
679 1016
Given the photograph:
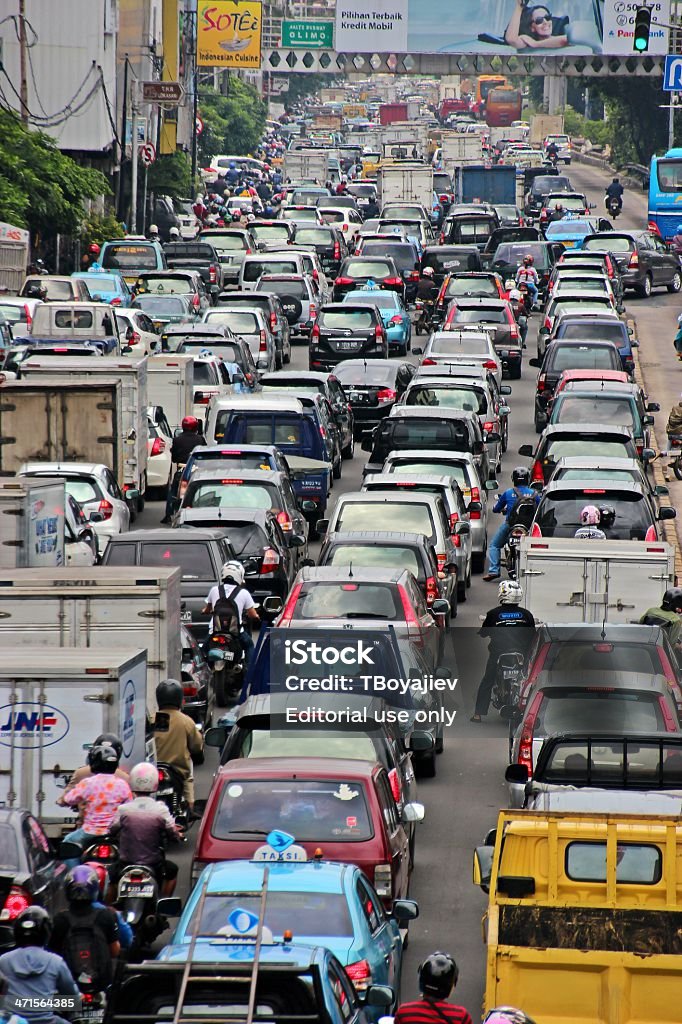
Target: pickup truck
76 322
199 256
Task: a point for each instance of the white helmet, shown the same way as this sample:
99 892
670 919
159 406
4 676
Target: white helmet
153 230
174 233
233 571
428 272
509 592
144 778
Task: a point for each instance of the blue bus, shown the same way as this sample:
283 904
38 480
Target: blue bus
665 192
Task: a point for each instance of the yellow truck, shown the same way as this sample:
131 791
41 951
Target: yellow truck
584 919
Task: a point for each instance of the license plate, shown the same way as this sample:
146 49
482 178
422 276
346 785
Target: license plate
346 346
358 396
228 656
127 889
186 616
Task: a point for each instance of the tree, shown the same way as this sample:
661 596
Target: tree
299 85
233 123
170 175
41 188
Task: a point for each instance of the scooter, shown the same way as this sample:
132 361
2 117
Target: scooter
422 324
520 521
506 688
613 206
93 1002
171 791
137 898
225 656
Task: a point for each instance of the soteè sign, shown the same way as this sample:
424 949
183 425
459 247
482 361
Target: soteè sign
229 33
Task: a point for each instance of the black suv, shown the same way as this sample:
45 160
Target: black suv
645 262
541 187
583 354
344 330
356 271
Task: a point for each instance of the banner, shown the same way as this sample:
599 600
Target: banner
523 27
229 33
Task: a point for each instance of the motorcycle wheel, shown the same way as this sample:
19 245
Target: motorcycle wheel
219 689
677 468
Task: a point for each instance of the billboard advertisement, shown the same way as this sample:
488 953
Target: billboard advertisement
523 27
229 33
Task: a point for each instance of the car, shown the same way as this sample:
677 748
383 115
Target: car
569 377
508 257
94 487
344 219
106 287
542 185
138 331
316 405
357 271
188 283
606 402
405 255
564 355
251 796
300 214
636 515
231 244
603 328
299 298
311 263
199 256
328 242
217 343
470 285
584 467
266 231
645 261
199 553
469 228
343 330
605 261
253 326
131 256
279 262
58 288
571 303
32 875
495 313
272 307
468 344
395 317
335 905
329 386
592 439
501 236
571 231
163 310
373 386
588 282
572 204
18 311
159 444
242 456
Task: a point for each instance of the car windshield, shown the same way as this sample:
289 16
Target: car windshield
193 559
246 538
9 849
460 286
589 447
624 476
610 243
294 289
227 243
513 254
565 710
475 230
239 321
310 213
579 306
583 357
332 811
568 227
382 556
588 330
380 299
411 518
466 399
348 600
82 490
558 514
235 494
103 285
354 319
403 255
594 409
317 914
370 268
128 256
270 232
482 315
13 314
445 261
163 305
456 471
314 236
443 344
365 375
364 191
355 745
573 656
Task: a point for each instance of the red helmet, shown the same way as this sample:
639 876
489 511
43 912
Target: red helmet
100 871
94 249
190 423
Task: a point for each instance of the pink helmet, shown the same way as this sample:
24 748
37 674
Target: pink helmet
590 516
507 1015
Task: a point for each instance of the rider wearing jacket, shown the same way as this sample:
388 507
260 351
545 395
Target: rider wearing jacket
615 191
438 976
506 503
82 892
427 289
178 743
183 446
506 614
31 971
528 275
97 796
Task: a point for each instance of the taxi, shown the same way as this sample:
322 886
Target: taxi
570 230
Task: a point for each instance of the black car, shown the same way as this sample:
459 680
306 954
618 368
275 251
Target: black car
328 385
373 386
582 354
356 271
558 514
645 262
508 234
328 243
271 305
405 255
197 255
31 874
509 257
564 439
541 186
344 330
445 260
426 428
469 229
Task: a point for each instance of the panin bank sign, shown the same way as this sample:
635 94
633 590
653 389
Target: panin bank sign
672 74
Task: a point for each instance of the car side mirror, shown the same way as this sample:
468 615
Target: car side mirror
474 506
421 741
667 512
404 910
504 410
273 605
126 350
505 389
493 437
653 407
379 996
169 906
462 529
535 362
367 443
491 485
661 490
526 451
483 866
200 806
322 526
647 420
441 606
517 773
95 517
648 454
412 812
216 736
417 351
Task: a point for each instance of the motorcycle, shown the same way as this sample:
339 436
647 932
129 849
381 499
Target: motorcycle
137 898
506 689
674 455
225 656
520 521
423 323
171 790
93 1002
613 206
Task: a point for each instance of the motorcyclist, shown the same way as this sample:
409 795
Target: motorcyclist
427 289
506 503
507 613
668 615
85 771
181 449
174 234
519 308
142 827
528 275
557 213
372 209
125 932
552 153
154 235
614 191
36 290
92 954
438 975
178 741
90 256
6 1015
590 519
31 971
97 796
232 586
507 1015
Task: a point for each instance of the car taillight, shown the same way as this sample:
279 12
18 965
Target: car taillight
29 318
382 879
651 533
200 398
514 334
395 785
668 717
475 496
526 742
196 303
106 508
428 362
431 589
379 332
337 250
411 620
312 310
535 530
547 323
17 901
414 276
270 561
536 474
284 520
212 274
343 280
542 381
386 395
288 613
454 519
488 427
633 262
315 333
273 321
360 973
263 347
134 339
115 301
182 488
190 689
392 281
158 447
490 364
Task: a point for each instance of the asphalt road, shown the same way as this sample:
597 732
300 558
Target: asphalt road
463 800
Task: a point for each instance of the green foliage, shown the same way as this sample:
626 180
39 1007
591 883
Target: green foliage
233 123
600 133
170 175
98 228
635 127
300 86
41 188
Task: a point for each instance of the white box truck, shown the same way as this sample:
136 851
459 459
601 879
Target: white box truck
31 523
132 373
306 165
170 384
101 607
568 580
460 148
53 704
406 183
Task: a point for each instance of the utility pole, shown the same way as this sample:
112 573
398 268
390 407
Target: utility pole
134 148
23 49
124 129
195 103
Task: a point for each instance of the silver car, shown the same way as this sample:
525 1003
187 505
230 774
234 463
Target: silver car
253 326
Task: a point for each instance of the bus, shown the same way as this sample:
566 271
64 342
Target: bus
502 107
665 193
484 83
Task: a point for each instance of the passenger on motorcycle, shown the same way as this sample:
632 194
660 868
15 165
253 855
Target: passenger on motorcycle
31 971
125 932
438 976
669 615
183 445
528 275
590 519
180 744
97 797
85 772
507 613
142 827
506 502
427 289
519 309
86 934
232 587
614 191
507 1015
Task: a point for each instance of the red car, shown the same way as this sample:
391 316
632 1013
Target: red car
344 808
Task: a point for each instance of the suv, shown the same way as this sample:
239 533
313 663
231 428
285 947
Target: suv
272 307
356 271
231 245
327 385
197 255
558 513
346 331
280 262
593 439
606 402
566 354
644 260
541 186
469 229
299 299
509 257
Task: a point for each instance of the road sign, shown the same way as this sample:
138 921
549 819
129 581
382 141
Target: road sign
308 35
161 92
148 153
672 74
199 126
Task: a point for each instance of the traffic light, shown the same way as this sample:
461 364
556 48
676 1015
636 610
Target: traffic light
642 29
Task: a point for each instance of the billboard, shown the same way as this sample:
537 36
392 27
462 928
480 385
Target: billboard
229 33
523 27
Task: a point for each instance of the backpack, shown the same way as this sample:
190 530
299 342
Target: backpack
226 616
86 949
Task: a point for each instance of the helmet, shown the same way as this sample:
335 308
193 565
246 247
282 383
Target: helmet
109 739
94 249
190 423
234 571
427 271
438 975
672 599
607 515
520 476
81 885
590 516
174 233
32 927
236 215
101 873
507 1015
169 694
103 759
244 210
528 260
509 592
153 229
250 217
144 778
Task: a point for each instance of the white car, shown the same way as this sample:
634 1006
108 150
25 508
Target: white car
19 312
159 446
94 487
80 540
345 219
563 145
137 332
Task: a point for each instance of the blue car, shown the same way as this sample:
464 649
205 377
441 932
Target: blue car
321 903
107 286
570 231
394 315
